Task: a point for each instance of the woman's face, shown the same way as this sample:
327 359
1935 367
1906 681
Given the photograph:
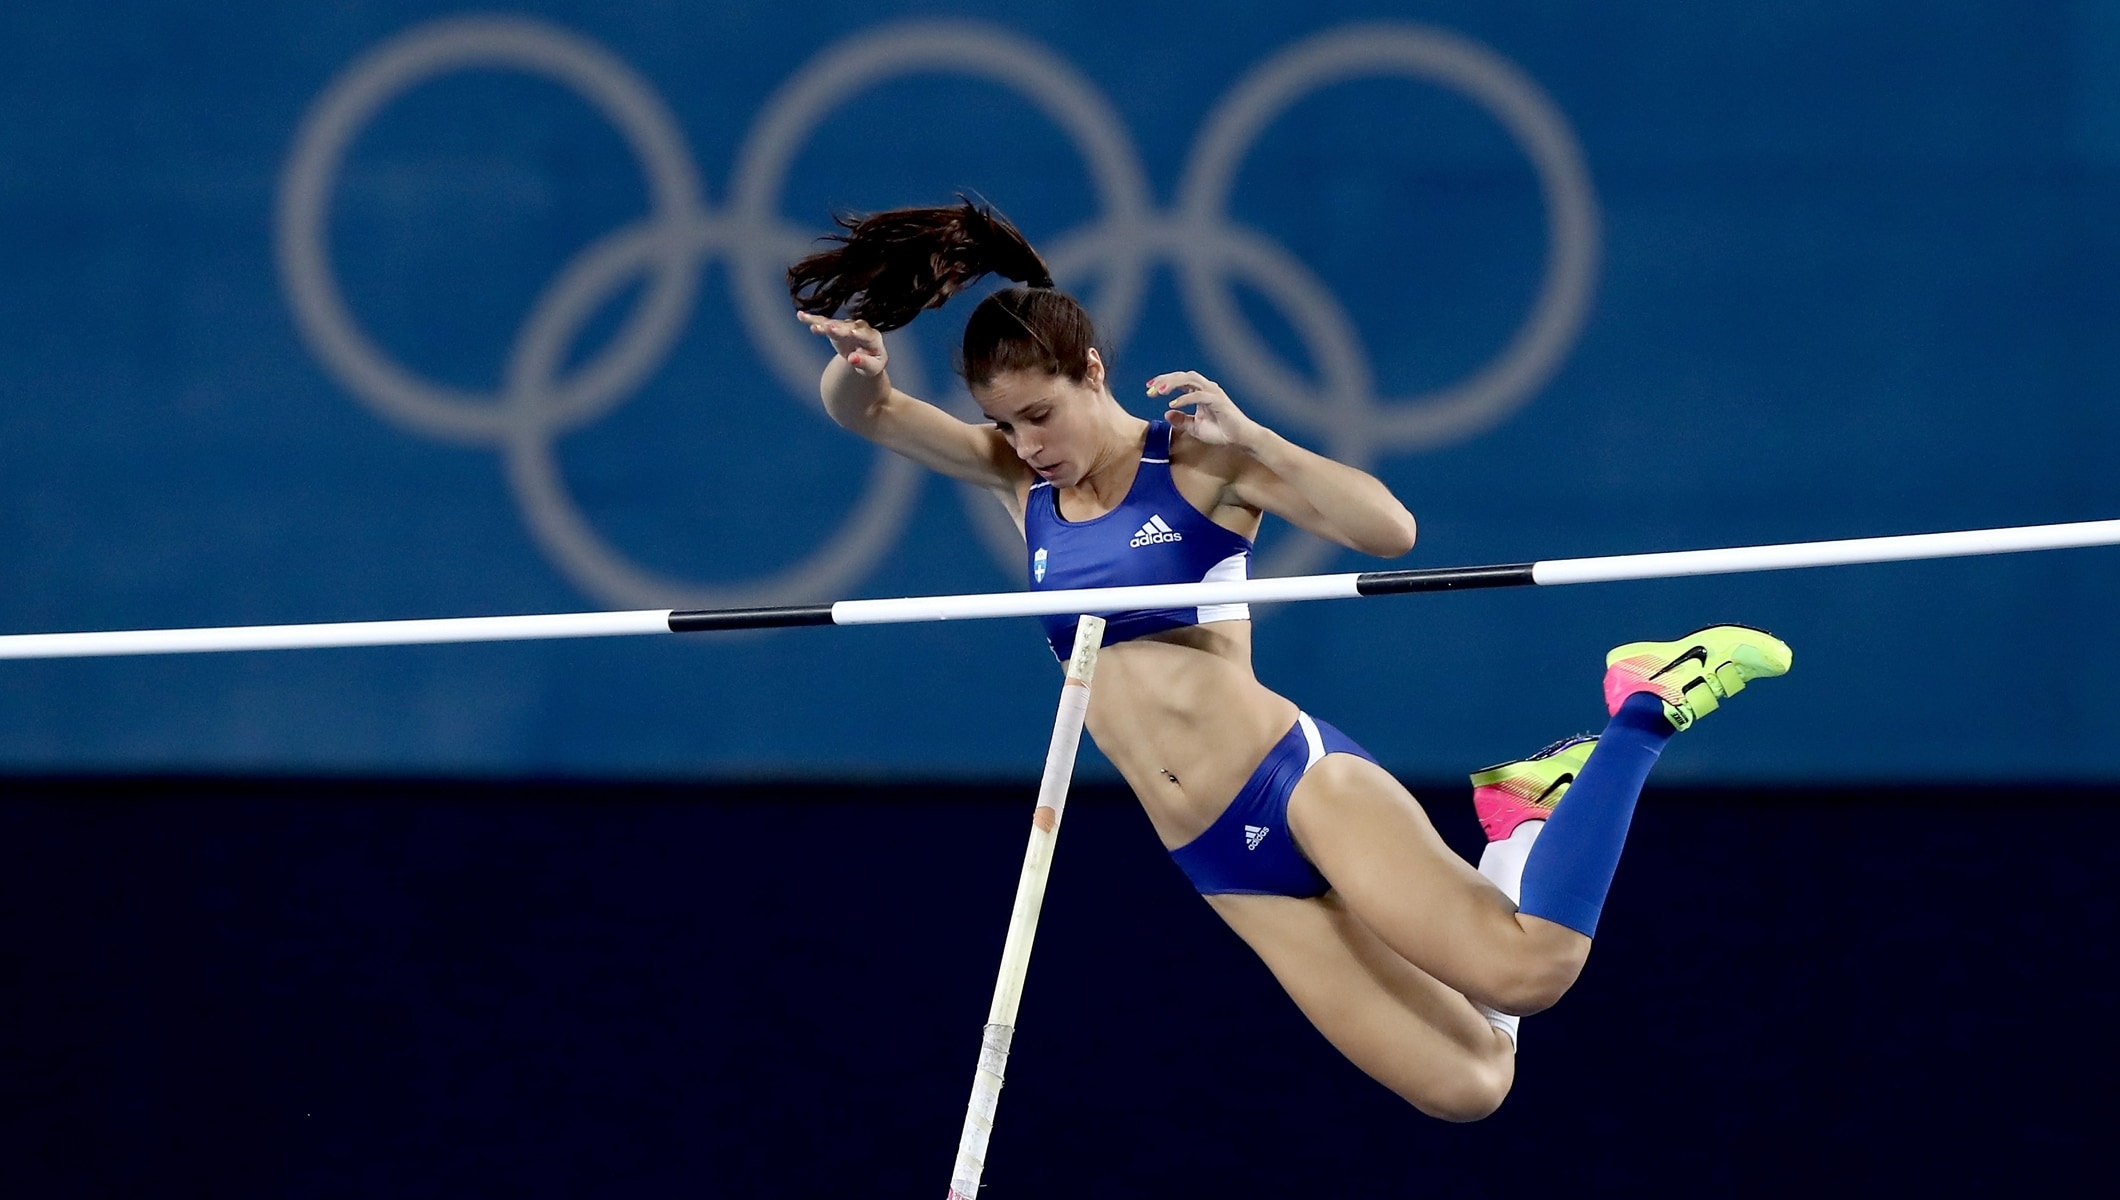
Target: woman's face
1052 422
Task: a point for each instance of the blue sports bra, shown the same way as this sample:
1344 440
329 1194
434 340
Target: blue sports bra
1155 535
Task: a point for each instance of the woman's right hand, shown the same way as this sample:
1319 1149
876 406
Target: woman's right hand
858 342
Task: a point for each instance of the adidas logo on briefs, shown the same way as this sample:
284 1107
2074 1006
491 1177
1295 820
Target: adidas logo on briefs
1155 531
1253 835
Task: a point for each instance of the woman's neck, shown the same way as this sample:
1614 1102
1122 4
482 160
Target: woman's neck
1111 470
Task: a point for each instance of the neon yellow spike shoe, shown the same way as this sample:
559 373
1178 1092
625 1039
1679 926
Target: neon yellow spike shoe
1696 673
1508 794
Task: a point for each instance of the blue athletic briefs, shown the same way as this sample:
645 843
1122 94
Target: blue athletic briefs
1248 850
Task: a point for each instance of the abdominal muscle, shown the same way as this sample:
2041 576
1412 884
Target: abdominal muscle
1184 719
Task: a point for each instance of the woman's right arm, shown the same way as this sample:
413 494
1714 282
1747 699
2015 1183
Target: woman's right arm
857 394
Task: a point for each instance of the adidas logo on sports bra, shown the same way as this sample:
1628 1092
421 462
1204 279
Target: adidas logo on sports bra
1153 532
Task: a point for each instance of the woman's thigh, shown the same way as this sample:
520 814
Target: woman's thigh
1395 1021
1371 840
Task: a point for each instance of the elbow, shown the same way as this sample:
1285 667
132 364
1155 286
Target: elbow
834 407
854 403
852 415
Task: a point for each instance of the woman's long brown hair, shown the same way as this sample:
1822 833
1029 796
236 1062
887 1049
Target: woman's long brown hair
891 266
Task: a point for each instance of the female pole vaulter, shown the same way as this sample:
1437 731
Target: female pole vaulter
1413 963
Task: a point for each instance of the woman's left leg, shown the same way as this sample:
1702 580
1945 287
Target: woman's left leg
1365 833
1371 840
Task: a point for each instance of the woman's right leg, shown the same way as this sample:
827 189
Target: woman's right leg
1393 1020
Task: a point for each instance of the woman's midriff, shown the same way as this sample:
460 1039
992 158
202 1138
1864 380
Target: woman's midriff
1184 719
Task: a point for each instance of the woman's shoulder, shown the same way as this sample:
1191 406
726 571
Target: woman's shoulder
1205 473
1220 462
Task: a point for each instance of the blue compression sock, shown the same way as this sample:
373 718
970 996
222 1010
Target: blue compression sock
1570 867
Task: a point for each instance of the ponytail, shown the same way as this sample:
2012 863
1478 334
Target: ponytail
890 266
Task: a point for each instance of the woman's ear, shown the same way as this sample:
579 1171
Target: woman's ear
1096 369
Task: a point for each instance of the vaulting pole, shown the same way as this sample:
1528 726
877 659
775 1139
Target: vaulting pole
1000 1030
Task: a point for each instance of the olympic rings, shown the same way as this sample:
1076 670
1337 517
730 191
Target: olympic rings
541 400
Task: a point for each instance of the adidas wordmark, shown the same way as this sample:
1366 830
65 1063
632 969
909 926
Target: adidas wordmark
1253 835
1155 531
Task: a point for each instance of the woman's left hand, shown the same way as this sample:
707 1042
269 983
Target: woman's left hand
1214 419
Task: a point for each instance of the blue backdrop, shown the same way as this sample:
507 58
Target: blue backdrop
384 310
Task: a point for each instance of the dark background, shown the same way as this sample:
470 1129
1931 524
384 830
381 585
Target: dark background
421 988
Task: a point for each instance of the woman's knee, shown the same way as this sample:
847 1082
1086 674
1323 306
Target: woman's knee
1472 1093
1536 975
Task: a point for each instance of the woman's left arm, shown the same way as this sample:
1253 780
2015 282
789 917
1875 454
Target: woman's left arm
1271 473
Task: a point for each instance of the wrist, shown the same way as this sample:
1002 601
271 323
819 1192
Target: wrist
839 373
1260 442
